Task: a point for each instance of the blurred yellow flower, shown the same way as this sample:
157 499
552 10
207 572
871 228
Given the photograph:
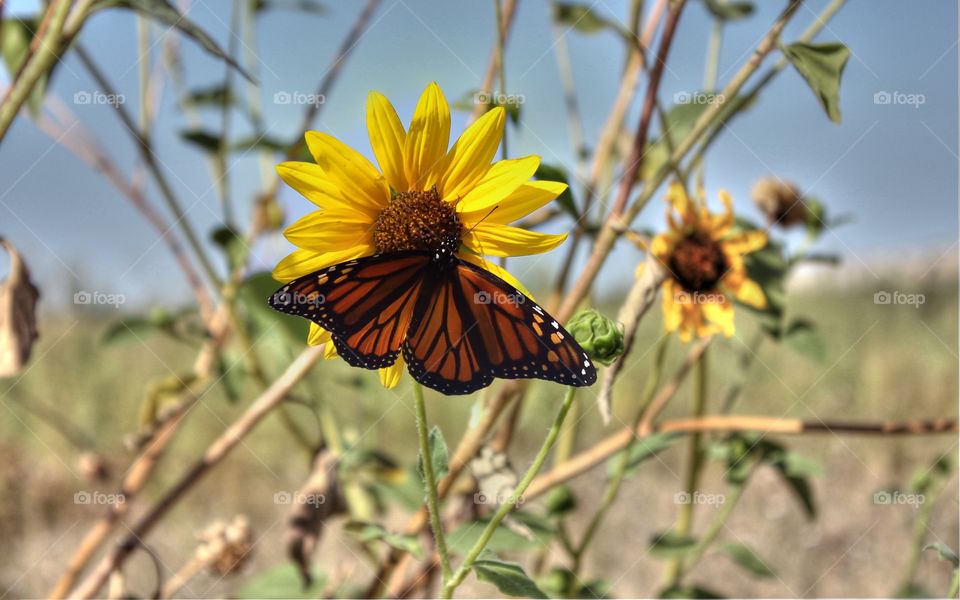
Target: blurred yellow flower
703 257
364 210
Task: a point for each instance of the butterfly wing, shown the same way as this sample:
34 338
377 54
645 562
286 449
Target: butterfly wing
472 326
366 304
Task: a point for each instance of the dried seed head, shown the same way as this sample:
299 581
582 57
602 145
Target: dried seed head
225 547
780 201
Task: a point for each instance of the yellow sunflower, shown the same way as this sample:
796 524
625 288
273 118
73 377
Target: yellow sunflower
703 257
423 186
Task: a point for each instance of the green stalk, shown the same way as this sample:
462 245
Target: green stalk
694 466
430 482
506 507
613 485
730 501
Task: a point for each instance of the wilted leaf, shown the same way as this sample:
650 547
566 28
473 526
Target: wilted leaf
18 319
509 578
311 507
744 556
671 545
822 66
167 14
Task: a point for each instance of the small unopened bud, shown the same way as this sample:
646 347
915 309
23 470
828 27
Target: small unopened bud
225 547
781 202
599 336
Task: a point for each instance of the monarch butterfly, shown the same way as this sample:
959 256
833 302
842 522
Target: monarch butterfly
458 325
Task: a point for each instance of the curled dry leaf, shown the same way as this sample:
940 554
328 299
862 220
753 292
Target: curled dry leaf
18 320
644 291
319 499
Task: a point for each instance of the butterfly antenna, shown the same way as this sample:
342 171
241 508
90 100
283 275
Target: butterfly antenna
483 219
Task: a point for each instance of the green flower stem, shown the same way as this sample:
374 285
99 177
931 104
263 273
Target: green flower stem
954 584
430 482
734 493
613 485
461 574
694 466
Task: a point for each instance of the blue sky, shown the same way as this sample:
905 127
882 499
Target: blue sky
892 167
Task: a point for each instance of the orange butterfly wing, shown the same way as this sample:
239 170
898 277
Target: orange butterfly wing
472 326
366 304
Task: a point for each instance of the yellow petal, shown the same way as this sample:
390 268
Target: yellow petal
672 310
744 242
493 239
387 138
720 224
314 185
427 139
470 157
748 291
496 270
330 351
662 246
317 335
521 202
499 182
677 197
303 262
331 231
354 176
720 314
390 376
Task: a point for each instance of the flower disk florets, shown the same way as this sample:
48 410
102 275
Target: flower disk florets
417 221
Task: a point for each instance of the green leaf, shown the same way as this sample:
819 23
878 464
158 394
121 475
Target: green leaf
307 6
548 172
641 451
744 556
945 553
167 14
509 578
281 582
129 329
368 532
504 539
16 34
439 454
802 335
205 140
797 482
231 243
561 501
768 267
729 11
815 219
671 545
265 143
822 66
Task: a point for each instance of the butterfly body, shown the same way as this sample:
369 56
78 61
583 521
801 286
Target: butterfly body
457 325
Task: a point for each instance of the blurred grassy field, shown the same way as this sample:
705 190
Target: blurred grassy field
881 362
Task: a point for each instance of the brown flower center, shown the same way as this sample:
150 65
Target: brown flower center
698 263
417 221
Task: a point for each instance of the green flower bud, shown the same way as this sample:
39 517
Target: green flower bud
600 337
